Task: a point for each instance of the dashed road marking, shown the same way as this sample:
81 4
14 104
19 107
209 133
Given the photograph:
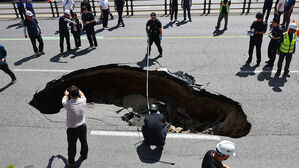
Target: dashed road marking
169 135
41 70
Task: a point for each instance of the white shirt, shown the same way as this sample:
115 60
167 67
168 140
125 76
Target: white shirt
68 4
75 112
104 4
282 7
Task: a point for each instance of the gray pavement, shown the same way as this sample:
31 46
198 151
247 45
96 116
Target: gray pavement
30 138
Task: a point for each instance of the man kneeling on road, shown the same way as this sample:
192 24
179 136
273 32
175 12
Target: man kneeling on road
214 158
155 128
74 102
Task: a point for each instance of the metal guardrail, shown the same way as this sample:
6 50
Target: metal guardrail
54 8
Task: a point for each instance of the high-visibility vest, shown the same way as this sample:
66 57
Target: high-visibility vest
287 46
227 8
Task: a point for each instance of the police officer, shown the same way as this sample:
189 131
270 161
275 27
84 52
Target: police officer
214 158
89 23
276 32
186 5
258 28
34 32
154 32
3 64
174 10
155 128
287 49
119 5
224 10
64 31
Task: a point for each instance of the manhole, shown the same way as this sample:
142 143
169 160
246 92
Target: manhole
184 103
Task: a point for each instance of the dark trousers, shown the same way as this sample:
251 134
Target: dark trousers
73 134
157 41
22 12
174 10
187 7
257 42
272 48
286 18
40 41
221 16
91 36
149 141
267 7
120 14
105 18
282 56
65 35
278 16
6 69
77 38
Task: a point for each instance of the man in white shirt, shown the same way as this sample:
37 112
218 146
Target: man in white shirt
279 9
68 5
74 102
104 5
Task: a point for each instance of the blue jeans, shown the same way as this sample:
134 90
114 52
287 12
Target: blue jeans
150 141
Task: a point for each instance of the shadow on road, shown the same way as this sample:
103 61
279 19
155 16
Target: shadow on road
82 52
57 57
218 32
277 83
181 23
75 53
76 165
151 62
114 27
265 74
170 24
246 70
26 59
147 155
5 87
99 30
17 25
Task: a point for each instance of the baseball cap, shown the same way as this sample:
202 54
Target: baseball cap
67 12
153 14
28 13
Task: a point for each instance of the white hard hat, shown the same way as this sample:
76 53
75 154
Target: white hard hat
68 12
293 26
28 13
226 148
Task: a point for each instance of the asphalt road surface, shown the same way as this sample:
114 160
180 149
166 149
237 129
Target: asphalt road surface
271 105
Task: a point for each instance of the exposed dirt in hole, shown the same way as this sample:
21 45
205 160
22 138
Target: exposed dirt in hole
186 105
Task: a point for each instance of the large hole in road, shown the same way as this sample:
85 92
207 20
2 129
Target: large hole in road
186 105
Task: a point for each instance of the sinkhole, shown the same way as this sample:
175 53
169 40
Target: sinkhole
188 106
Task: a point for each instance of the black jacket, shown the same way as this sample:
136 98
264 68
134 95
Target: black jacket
79 26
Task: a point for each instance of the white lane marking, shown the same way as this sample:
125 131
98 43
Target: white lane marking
259 71
41 70
169 135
